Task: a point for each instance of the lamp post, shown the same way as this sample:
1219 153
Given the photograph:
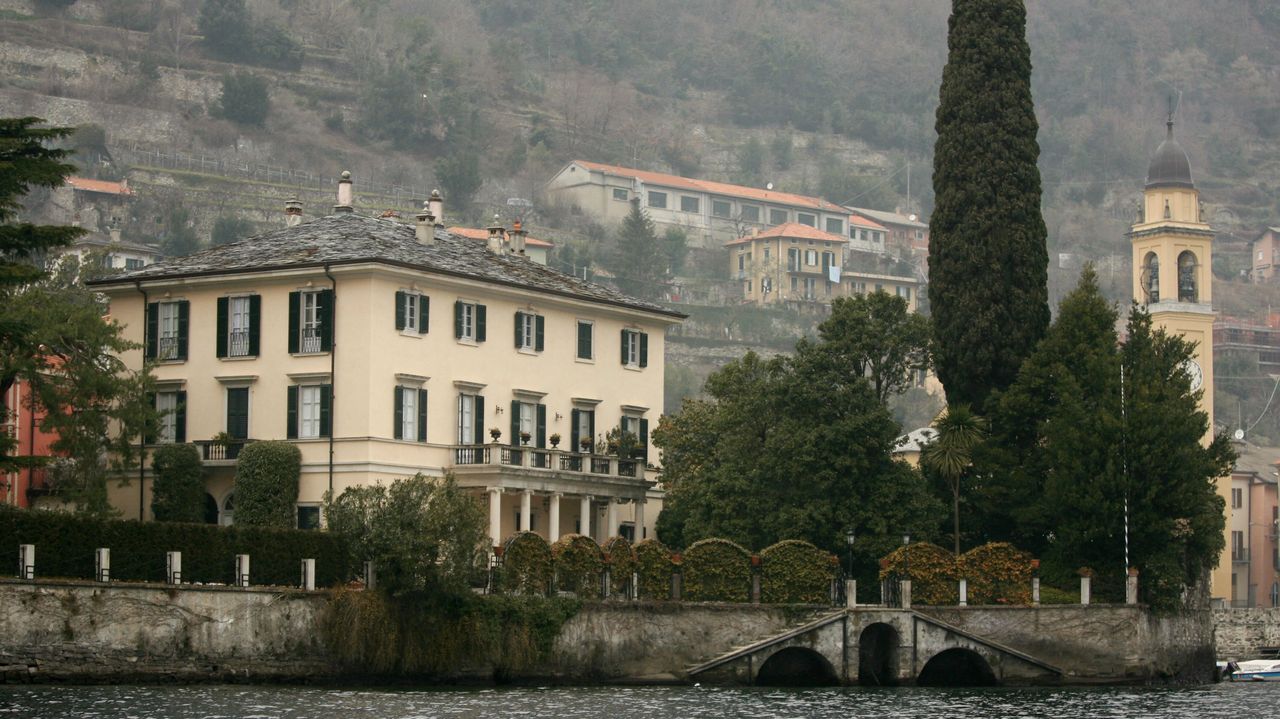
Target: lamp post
906 554
849 539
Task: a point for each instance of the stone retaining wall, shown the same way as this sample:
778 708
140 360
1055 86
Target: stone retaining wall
1242 633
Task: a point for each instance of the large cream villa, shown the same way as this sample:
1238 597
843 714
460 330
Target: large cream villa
384 349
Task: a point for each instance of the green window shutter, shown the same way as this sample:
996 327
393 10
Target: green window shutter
398 431
291 416
540 325
519 329
574 434
478 419
238 412
541 437
424 314
326 405
644 439
255 322
457 320
153 328
644 349
624 346
325 311
584 340
591 423
149 433
222 327
480 322
515 423
295 321
399 310
422 415
180 418
184 325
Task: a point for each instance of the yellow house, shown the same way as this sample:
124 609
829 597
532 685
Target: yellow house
384 349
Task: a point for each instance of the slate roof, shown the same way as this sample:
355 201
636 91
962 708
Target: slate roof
351 238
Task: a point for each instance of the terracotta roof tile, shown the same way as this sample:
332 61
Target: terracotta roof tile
103 186
715 188
790 229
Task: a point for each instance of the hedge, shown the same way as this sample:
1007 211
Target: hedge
998 573
178 491
932 570
579 565
267 484
654 567
795 572
622 564
716 570
526 564
66 544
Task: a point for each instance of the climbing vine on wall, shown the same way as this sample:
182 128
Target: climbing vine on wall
998 573
932 569
526 565
795 572
579 565
622 564
654 567
717 570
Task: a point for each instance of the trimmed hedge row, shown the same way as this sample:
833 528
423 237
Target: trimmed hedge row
717 570
997 573
795 572
66 544
579 565
654 567
622 564
526 564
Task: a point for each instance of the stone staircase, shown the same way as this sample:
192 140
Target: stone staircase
804 623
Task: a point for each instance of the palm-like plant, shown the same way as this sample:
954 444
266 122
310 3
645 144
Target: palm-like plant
950 454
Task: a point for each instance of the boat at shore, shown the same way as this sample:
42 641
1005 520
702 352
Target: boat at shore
1255 670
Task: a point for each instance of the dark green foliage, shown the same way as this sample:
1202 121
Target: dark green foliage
27 162
65 545
751 163
178 238
579 565
622 563
526 564
988 262
654 567
675 245
716 570
637 260
244 99
780 147
459 176
178 493
232 33
230 229
877 337
267 484
795 572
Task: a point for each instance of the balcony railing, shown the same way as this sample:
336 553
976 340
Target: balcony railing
550 460
238 343
1240 555
225 450
310 339
167 348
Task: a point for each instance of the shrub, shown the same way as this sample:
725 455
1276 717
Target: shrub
998 573
1053 595
267 484
579 564
66 543
178 492
717 570
244 99
654 568
795 572
932 571
526 564
622 564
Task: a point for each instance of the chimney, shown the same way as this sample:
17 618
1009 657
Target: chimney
425 230
293 212
436 204
495 236
517 238
344 194
114 230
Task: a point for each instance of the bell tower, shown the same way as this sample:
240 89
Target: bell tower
1172 276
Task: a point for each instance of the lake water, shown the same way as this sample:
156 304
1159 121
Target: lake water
262 702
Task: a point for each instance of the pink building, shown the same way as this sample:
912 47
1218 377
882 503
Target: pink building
1254 512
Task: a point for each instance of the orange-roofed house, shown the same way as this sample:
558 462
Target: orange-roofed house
711 213
535 249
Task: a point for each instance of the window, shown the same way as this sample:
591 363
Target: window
470 419
747 288
1237 498
627 531
750 213
309 411
238 321
835 225
413 312
310 321
690 204
793 259
132 264
1238 552
529 331
903 292
811 257
766 285
828 259
1151 277
238 412
794 283
721 208
777 217
638 427
172 408
585 349
635 348
582 430
806 218
1187 282
657 199
766 253
742 261
410 421
528 418
308 516
469 321
810 288
620 194
167 330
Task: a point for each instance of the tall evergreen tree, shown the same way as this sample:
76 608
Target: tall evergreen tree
988 263
639 260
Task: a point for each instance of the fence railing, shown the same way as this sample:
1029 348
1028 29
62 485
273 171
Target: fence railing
550 460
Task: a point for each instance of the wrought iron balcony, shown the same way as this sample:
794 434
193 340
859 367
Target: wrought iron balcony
238 343
552 461
221 450
167 348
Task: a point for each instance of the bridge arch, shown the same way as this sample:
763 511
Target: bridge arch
957 667
797 667
878 655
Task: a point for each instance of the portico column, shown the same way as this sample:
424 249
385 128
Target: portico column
639 534
553 531
612 522
495 515
585 514
526 503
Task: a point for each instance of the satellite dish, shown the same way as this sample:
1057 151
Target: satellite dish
1239 434
768 185
911 217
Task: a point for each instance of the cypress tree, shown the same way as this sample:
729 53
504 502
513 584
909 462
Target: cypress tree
988 264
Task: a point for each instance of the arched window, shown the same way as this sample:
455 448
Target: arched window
1151 278
1188 287
228 514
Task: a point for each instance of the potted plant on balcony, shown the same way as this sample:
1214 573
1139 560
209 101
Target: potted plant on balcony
585 445
555 440
495 433
525 437
221 439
